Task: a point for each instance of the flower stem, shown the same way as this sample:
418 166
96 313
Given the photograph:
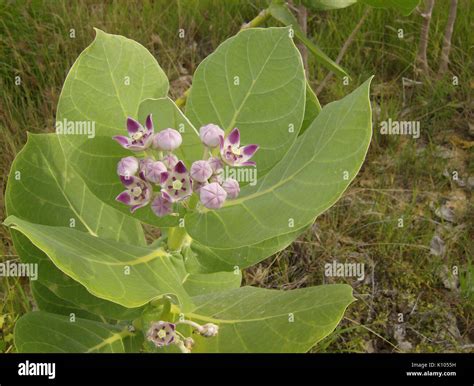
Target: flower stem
176 238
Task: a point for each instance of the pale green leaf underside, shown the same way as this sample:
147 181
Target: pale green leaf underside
50 192
106 85
268 98
43 332
309 179
202 258
258 320
121 273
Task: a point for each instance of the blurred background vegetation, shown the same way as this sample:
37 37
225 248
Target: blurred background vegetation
423 270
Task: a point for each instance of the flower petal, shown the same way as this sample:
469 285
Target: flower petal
149 123
122 140
124 197
180 168
234 137
132 125
249 150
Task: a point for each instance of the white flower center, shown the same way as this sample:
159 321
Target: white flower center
161 334
136 191
136 136
236 150
177 185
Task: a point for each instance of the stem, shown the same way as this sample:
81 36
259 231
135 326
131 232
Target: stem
176 238
425 30
443 66
344 48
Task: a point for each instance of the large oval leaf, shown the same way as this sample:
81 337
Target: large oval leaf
308 180
254 81
43 188
121 273
43 332
106 85
260 320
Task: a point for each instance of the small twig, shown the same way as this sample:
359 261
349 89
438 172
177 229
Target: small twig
448 33
425 30
344 48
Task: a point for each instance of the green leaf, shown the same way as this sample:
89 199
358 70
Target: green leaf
106 85
46 300
259 320
281 13
200 258
254 81
43 188
309 179
403 6
167 115
206 283
43 332
121 273
311 110
326 5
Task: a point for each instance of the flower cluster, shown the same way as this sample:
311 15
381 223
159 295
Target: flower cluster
163 334
162 179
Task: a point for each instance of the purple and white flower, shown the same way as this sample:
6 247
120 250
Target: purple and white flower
152 170
201 171
140 138
161 205
176 184
168 139
234 155
210 134
232 188
216 164
213 195
162 333
137 194
127 166
170 160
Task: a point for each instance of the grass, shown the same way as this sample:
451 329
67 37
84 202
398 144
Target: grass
401 178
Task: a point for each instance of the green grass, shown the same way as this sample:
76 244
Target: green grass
402 177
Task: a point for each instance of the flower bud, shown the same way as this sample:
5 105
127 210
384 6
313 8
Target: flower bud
216 164
209 330
210 134
170 160
231 187
127 166
201 171
168 139
161 206
152 170
212 195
